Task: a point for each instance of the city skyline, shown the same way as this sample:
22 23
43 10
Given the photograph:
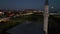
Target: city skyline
27 4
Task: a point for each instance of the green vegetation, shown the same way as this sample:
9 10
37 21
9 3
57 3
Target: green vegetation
57 16
36 18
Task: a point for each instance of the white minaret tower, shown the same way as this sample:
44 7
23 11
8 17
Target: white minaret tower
46 15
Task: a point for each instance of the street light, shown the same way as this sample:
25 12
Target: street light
52 7
46 15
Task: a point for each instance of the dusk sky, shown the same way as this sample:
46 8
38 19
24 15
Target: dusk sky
27 4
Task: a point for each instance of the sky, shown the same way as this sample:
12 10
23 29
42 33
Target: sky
27 4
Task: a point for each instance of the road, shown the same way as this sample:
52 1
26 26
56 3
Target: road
27 28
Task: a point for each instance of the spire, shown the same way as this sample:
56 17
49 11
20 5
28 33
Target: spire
46 16
46 2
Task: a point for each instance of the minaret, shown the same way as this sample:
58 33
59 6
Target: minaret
46 15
